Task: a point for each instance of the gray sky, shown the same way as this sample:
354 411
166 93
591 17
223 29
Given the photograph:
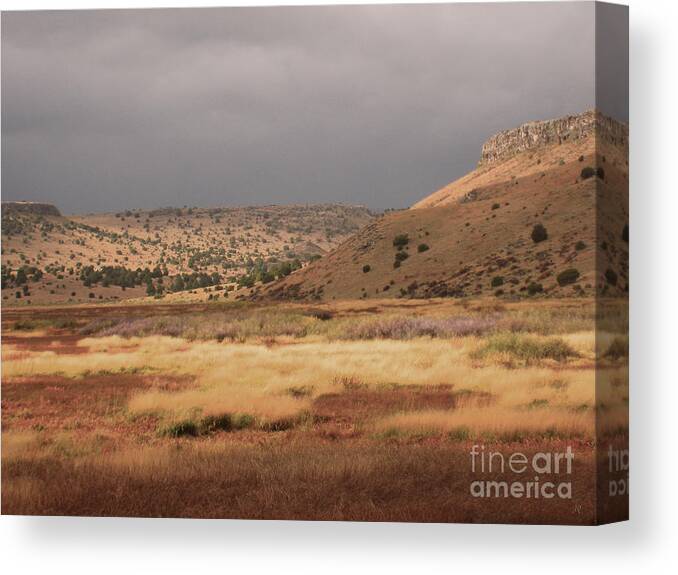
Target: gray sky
108 110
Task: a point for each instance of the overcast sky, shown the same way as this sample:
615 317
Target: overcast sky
109 110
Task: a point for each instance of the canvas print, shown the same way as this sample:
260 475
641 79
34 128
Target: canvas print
358 263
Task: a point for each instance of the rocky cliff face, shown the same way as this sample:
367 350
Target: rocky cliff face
537 134
37 208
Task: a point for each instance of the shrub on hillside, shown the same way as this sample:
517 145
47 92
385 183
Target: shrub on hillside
611 276
534 288
539 233
569 276
366 268
497 281
422 248
401 240
587 172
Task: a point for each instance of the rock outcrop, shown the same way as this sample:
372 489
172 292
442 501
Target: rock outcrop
534 135
37 208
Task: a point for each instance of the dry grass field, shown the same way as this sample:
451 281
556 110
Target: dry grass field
317 362
356 410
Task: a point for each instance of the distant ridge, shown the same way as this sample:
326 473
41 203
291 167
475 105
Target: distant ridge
38 208
174 254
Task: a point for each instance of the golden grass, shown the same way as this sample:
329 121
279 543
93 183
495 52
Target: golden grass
217 401
17 444
491 421
211 439
531 379
278 480
256 379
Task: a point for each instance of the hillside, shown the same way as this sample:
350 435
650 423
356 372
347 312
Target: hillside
474 237
50 258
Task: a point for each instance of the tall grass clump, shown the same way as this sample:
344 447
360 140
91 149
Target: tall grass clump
184 428
550 321
618 348
172 326
403 328
526 348
237 326
490 423
32 324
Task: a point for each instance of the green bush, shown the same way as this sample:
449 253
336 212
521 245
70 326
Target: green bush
539 233
243 421
497 281
611 276
422 248
401 240
401 256
587 172
366 268
213 423
569 276
534 288
180 429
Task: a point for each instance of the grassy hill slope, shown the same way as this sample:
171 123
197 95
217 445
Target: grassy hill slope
474 237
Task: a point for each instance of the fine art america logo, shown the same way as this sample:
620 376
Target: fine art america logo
546 474
618 469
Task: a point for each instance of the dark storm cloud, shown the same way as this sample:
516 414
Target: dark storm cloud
612 60
107 110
